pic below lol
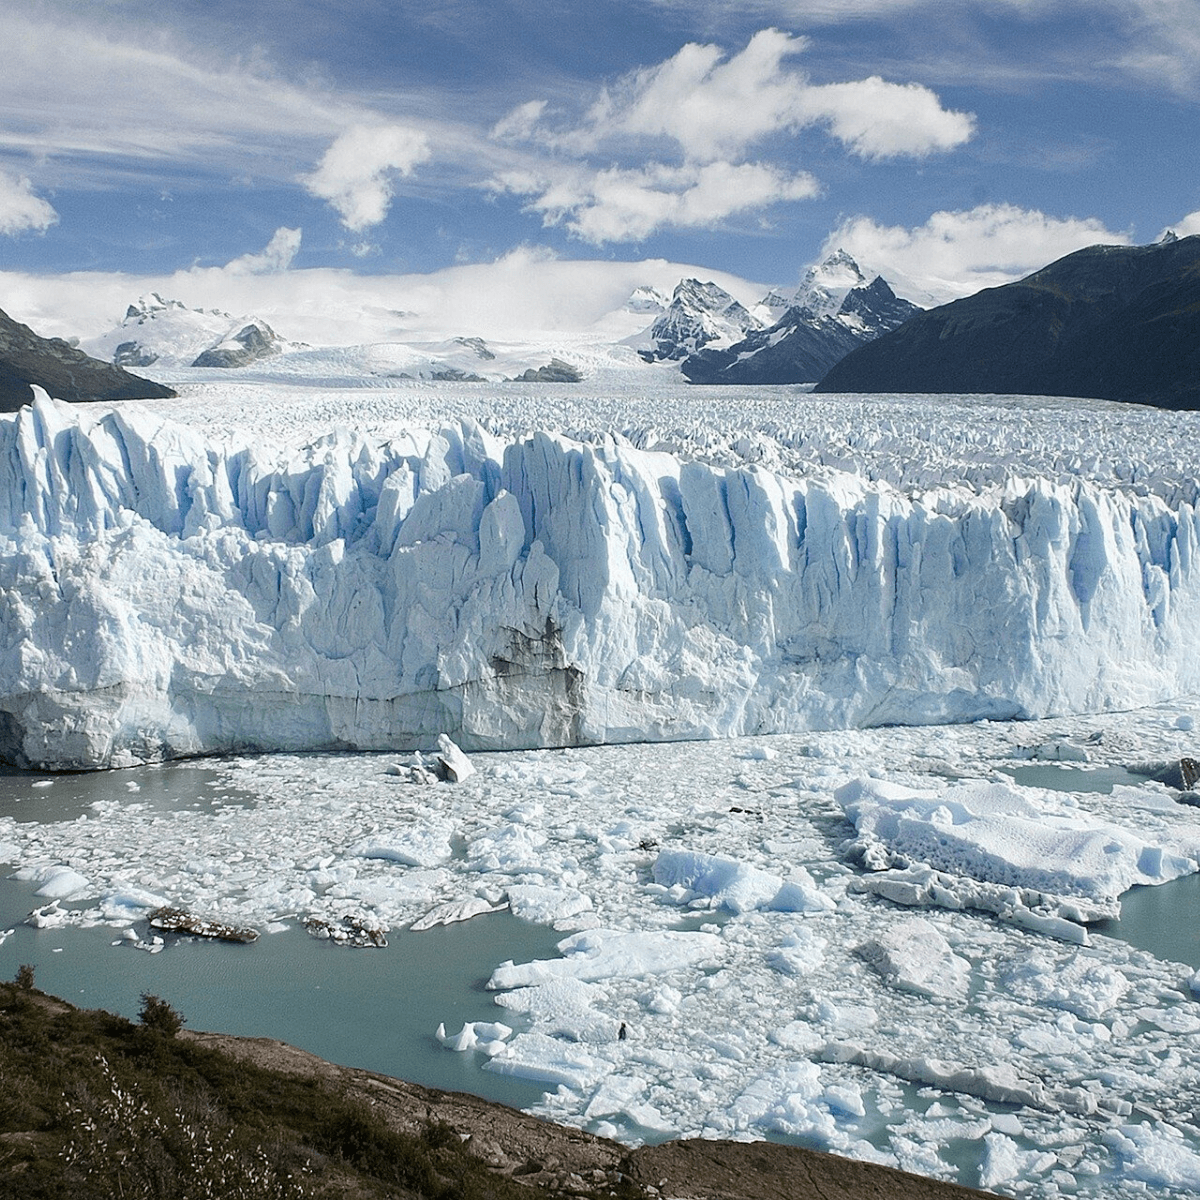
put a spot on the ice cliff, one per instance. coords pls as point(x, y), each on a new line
point(162, 594)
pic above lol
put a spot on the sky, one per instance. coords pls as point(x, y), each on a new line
point(952, 144)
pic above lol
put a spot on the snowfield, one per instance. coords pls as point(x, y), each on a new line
point(860, 931)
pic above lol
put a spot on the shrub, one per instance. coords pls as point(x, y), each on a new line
point(157, 1015)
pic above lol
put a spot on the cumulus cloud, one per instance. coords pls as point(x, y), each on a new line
point(715, 107)
point(702, 111)
point(278, 255)
point(20, 209)
point(954, 254)
point(355, 174)
point(614, 204)
point(877, 119)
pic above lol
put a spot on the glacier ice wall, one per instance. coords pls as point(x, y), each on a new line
point(165, 595)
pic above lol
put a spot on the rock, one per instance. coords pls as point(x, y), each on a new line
point(251, 342)
point(178, 920)
point(27, 360)
point(1181, 775)
point(555, 371)
point(348, 931)
point(1107, 322)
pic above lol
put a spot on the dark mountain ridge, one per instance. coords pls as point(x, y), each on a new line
point(1107, 322)
point(65, 372)
point(803, 345)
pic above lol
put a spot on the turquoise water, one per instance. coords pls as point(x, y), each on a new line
point(1165, 920)
point(377, 1009)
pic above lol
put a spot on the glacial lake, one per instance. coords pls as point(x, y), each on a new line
point(377, 1009)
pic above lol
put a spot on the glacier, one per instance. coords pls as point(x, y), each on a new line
point(169, 590)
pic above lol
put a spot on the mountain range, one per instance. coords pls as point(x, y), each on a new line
point(1107, 322)
point(62, 369)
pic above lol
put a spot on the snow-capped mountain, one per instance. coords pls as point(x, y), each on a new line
point(647, 299)
point(700, 314)
point(167, 334)
point(834, 311)
point(826, 285)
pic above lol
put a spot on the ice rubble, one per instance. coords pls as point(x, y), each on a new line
point(165, 594)
point(941, 1041)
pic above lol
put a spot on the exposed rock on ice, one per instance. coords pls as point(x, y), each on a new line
point(177, 920)
point(162, 595)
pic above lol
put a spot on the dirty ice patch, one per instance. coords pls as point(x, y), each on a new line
point(727, 883)
point(1004, 834)
point(609, 954)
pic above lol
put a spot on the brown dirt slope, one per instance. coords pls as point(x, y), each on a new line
point(565, 1161)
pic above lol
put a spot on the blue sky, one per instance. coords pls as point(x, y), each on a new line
point(958, 143)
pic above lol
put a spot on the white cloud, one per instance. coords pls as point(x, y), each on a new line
point(613, 205)
point(20, 209)
point(714, 108)
point(877, 119)
point(1185, 226)
point(519, 295)
point(702, 111)
point(276, 256)
point(354, 175)
point(956, 253)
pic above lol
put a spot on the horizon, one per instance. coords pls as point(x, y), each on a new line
point(956, 147)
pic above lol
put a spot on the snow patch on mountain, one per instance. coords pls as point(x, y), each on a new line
point(166, 334)
point(700, 314)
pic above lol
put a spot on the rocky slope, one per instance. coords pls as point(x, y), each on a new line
point(65, 372)
point(1107, 322)
point(561, 1160)
point(834, 311)
point(699, 314)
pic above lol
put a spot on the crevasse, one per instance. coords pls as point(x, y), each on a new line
point(163, 595)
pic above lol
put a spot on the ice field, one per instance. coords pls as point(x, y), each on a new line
point(802, 872)
point(269, 568)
